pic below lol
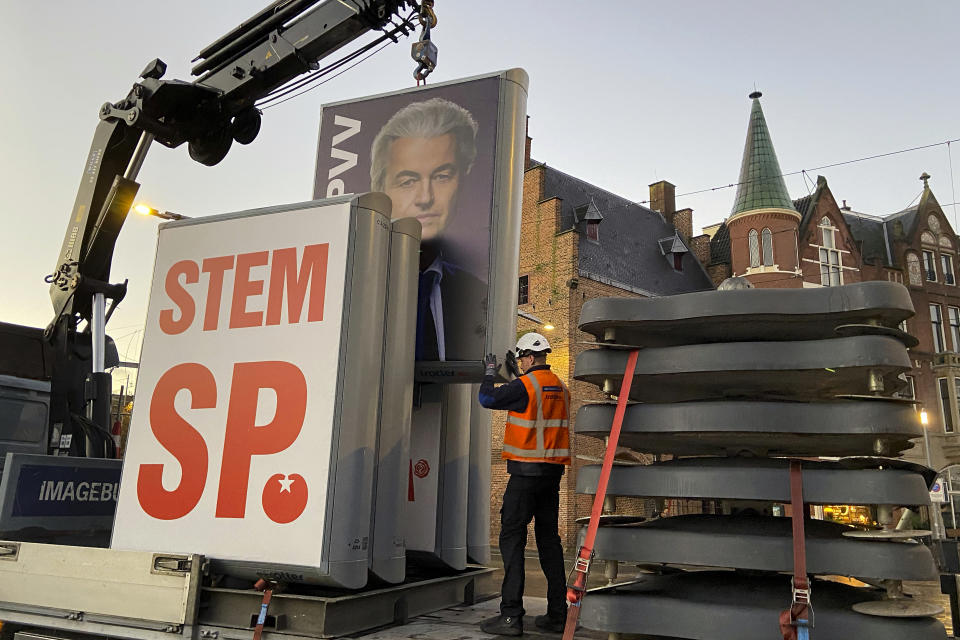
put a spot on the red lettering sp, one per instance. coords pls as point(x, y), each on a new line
point(244, 439)
point(177, 436)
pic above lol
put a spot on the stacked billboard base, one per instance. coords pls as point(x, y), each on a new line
point(729, 386)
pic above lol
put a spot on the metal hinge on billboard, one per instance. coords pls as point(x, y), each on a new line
point(171, 564)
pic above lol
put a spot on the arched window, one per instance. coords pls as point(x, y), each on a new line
point(913, 270)
point(831, 262)
point(754, 248)
point(826, 233)
point(767, 248)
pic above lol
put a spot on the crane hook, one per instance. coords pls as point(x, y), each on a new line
point(423, 51)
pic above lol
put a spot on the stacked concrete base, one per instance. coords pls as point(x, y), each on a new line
point(729, 385)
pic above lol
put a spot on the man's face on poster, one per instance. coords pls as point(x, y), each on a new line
point(422, 180)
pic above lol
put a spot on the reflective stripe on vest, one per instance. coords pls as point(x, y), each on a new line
point(537, 427)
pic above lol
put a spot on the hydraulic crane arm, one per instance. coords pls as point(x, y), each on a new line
point(260, 56)
point(280, 43)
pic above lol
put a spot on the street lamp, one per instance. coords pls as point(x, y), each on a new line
point(924, 420)
point(532, 318)
point(146, 210)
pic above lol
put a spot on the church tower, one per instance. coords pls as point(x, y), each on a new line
point(763, 224)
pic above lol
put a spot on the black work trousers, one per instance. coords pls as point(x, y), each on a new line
point(531, 498)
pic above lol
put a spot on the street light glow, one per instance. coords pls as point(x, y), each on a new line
point(548, 327)
point(923, 417)
point(147, 210)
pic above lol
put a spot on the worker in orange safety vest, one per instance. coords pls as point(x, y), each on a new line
point(536, 446)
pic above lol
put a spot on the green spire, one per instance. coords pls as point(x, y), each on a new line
point(761, 185)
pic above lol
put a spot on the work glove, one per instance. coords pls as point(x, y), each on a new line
point(490, 365)
point(511, 364)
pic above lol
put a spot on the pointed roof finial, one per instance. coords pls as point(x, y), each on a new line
point(925, 176)
point(761, 184)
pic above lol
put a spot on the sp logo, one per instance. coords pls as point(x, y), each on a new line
point(284, 496)
point(421, 469)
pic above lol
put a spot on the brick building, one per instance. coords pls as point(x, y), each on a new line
point(775, 241)
point(577, 242)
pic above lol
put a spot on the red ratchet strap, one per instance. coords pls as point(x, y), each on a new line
point(796, 622)
point(577, 581)
point(267, 588)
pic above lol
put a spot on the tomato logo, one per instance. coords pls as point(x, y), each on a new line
point(422, 468)
point(284, 497)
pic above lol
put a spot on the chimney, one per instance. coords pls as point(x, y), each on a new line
point(683, 222)
point(526, 151)
point(898, 230)
point(700, 247)
point(662, 199)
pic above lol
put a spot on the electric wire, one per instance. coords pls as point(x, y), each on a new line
point(825, 166)
point(406, 25)
point(952, 187)
point(298, 83)
point(296, 95)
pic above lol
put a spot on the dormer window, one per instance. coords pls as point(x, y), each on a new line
point(673, 249)
point(587, 218)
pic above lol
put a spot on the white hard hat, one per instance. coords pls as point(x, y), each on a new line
point(532, 343)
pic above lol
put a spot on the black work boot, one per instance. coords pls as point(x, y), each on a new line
point(503, 626)
point(550, 623)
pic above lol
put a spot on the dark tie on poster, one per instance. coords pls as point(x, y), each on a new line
point(426, 328)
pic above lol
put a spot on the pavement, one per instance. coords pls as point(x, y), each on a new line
point(463, 622)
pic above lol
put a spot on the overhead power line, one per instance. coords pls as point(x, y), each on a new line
point(825, 166)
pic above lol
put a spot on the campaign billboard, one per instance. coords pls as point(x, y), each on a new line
point(263, 330)
point(449, 155)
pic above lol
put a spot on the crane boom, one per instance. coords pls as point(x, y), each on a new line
point(261, 55)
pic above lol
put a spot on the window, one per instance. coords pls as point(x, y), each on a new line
point(945, 412)
point(830, 262)
point(767, 248)
point(936, 324)
point(953, 315)
point(929, 266)
point(826, 233)
point(830, 268)
point(523, 293)
point(593, 230)
point(946, 264)
point(754, 248)
point(910, 391)
point(913, 269)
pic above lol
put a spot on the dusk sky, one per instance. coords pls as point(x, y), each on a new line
point(622, 94)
